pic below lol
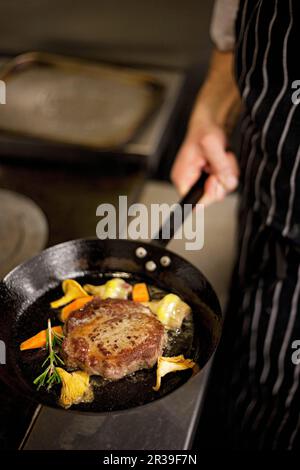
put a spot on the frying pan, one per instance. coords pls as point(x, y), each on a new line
point(26, 292)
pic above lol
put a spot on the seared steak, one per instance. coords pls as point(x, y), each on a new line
point(112, 338)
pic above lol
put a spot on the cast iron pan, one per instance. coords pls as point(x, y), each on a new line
point(26, 292)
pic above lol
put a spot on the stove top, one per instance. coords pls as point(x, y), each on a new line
point(23, 230)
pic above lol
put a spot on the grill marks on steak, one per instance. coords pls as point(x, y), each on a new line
point(113, 338)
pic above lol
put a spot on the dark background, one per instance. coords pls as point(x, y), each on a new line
point(165, 32)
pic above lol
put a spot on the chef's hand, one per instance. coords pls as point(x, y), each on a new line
point(205, 145)
point(204, 149)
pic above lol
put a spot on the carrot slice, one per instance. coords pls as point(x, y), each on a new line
point(140, 292)
point(39, 340)
point(75, 305)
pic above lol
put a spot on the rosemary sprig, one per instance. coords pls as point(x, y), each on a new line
point(50, 375)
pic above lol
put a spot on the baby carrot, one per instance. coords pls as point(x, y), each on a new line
point(75, 305)
point(39, 340)
point(140, 293)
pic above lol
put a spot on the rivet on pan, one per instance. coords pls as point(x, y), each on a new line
point(150, 266)
point(141, 252)
point(165, 261)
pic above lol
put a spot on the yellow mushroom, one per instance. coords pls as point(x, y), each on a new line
point(171, 311)
point(75, 388)
point(95, 290)
point(115, 288)
point(165, 365)
point(72, 291)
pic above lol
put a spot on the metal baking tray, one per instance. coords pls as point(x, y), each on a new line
point(72, 101)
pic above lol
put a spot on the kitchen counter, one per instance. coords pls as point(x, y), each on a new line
point(169, 423)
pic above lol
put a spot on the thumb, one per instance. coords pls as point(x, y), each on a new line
point(222, 164)
point(187, 166)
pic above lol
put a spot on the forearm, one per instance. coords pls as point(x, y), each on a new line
point(218, 100)
point(213, 118)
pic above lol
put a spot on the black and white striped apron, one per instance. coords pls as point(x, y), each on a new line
point(260, 385)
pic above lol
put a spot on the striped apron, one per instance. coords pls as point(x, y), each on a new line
point(259, 398)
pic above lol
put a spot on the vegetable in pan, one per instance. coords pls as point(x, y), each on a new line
point(113, 289)
point(170, 310)
point(40, 339)
point(75, 389)
point(140, 292)
point(76, 386)
point(165, 365)
point(75, 305)
point(72, 291)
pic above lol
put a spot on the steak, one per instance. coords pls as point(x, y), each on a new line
point(112, 338)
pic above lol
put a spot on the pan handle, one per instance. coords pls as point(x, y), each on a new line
point(191, 198)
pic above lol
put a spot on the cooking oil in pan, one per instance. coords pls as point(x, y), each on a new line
point(133, 390)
